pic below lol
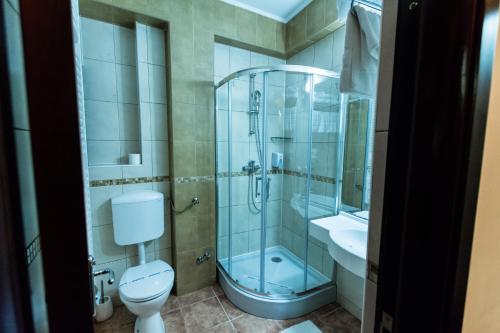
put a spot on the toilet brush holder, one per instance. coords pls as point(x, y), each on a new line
point(103, 310)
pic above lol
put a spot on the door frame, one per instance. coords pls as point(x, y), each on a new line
point(53, 113)
point(442, 74)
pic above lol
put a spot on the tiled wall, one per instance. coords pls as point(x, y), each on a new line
point(111, 92)
point(15, 63)
point(141, 94)
point(313, 23)
point(246, 226)
point(124, 82)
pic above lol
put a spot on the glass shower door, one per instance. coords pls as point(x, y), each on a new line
point(277, 138)
point(242, 217)
point(285, 264)
point(323, 148)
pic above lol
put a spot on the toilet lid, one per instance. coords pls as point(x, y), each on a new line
point(144, 282)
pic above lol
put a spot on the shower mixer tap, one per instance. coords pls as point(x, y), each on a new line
point(251, 167)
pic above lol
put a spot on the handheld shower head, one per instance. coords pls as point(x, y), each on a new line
point(256, 98)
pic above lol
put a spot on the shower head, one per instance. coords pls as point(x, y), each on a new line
point(256, 97)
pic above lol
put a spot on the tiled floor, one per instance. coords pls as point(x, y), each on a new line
point(209, 310)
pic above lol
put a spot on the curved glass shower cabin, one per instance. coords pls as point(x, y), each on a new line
point(278, 158)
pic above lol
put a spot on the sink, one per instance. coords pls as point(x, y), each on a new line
point(347, 239)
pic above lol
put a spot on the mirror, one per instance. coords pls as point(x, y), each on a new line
point(358, 152)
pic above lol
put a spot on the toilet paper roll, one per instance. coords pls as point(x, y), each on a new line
point(134, 159)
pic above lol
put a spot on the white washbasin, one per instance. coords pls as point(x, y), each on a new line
point(347, 239)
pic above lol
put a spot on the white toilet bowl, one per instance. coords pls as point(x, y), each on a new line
point(144, 289)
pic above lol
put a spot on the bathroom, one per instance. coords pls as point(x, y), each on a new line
point(233, 160)
point(249, 166)
point(148, 88)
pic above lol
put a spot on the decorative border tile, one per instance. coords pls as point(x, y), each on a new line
point(244, 173)
point(194, 179)
point(323, 179)
point(127, 181)
point(32, 250)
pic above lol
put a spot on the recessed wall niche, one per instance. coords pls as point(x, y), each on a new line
point(124, 78)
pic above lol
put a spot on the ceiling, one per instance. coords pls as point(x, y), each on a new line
point(279, 10)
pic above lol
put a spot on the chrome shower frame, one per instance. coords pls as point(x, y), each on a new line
point(258, 302)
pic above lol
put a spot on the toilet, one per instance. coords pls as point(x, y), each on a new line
point(144, 289)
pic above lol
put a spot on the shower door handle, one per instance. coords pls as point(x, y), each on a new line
point(257, 179)
point(268, 186)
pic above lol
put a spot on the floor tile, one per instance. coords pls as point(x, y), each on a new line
point(217, 289)
point(222, 328)
point(231, 310)
point(196, 296)
point(339, 321)
point(123, 316)
point(251, 324)
point(324, 310)
point(128, 328)
point(104, 327)
point(209, 310)
point(174, 322)
point(203, 315)
point(172, 304)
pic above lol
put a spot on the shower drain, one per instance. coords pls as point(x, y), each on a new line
point(276, 259)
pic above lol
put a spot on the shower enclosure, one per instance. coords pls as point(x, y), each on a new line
point(279, 156)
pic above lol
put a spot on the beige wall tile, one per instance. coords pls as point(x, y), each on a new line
point(331, 13)
point(265, 36)
point(183, 116)
point(246, 26)
point(184, 156)
point(194, 276)
point(225, 16)
point(315, 17)
point(296, 30)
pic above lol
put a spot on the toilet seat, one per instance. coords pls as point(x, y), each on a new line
point(146, 282)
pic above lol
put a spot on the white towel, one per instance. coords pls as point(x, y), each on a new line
point(361, 52)
point(304, 327)
point(343, 7)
